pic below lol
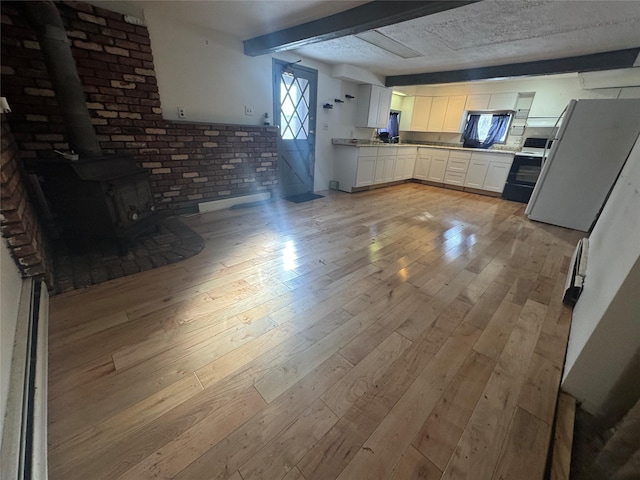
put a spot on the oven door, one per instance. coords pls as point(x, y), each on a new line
point(523, 176)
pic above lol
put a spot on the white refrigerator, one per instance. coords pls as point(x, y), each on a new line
point(592, 145)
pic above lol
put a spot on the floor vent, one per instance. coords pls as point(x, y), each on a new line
point(23, 454)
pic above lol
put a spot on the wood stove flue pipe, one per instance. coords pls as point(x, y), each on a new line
point(44, 18)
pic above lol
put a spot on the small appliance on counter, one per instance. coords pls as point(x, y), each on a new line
point(525, 169)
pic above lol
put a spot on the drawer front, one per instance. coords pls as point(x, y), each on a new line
point(367, 151)
point(459, 154)
point(454, 178)
point(460, 166)
point(493, 157)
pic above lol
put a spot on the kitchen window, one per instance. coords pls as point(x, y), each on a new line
point(485, 129)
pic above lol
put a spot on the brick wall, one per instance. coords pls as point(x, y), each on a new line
point(20, 226)
point(190, 163)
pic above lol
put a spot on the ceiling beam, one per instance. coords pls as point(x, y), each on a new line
point(365, 17)
point(582, 63)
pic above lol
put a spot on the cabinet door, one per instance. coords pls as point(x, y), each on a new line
point(368, 101)
point(453, 117)
point(476, 173)
point(421, 111)
point(503, 101)
point(477, 102)
point(437, 114)
point(366, 171)
point(409, 165)
point(384, 106)
point(496, 177)
point(379, 172)
point(406, 117)
point(389, 168)
point(437, 169)
point(398, 171)
point(421, 170)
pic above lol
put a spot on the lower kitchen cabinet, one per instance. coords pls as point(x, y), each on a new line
point(496, 177)
point(488, 171)
point(476, 173)
point(437, 168)
point(421, 170)
point(363, 166)
point(365, 173)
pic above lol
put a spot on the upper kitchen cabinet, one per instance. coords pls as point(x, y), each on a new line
point(453, 116)
point(438, 112)
point(477, 102)
point(503, 101)
point(491, 101)
point(415, 113)
point(373, 105)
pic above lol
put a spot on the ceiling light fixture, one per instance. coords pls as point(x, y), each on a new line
point(380, 40)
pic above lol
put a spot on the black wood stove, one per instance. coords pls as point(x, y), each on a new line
point(96, 197)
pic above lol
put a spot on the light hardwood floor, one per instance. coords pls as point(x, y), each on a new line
point(406, 332)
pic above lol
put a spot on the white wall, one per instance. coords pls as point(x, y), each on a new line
point(207, 73)
point(10, 289)
point(605, 330)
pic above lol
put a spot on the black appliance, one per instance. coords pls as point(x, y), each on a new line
point(525, 169)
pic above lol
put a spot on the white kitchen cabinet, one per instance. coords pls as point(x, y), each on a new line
point(476, 173)
point(477, 102)
point(457, 164)
point(373, 105)
point(496, 177)
point(415, 113)
point(405, 161)
point(354, 166)
point(492, 167)
point(365, 173)
point(503, 101)
point(437, 114)
point(453, 116)
point(438, 167)
point(385, 164)
point(421, 169)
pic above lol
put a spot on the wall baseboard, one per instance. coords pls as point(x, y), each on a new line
point(230, 202)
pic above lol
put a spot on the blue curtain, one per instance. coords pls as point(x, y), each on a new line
point(393, 127)
point(470, 135)
point(499, 124)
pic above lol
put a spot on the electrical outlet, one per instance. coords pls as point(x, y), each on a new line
point(248, 110)
point(325, 126)
point(182, 112)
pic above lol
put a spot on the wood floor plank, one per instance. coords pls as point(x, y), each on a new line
point(563, 438)
point(334, 338)
point(115, 429)
point(341, 396)
point(282, 453)
point(414, 466)
point(384, 448)
point(245, 442)
point(542, 380)
point(525, 448)
point(177, 454)
point(497, 332)
point(478, 450)
point(438, 437)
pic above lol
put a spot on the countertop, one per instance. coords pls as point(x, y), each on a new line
point(353, 142)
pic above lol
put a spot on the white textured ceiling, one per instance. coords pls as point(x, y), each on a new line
point(491, 32)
